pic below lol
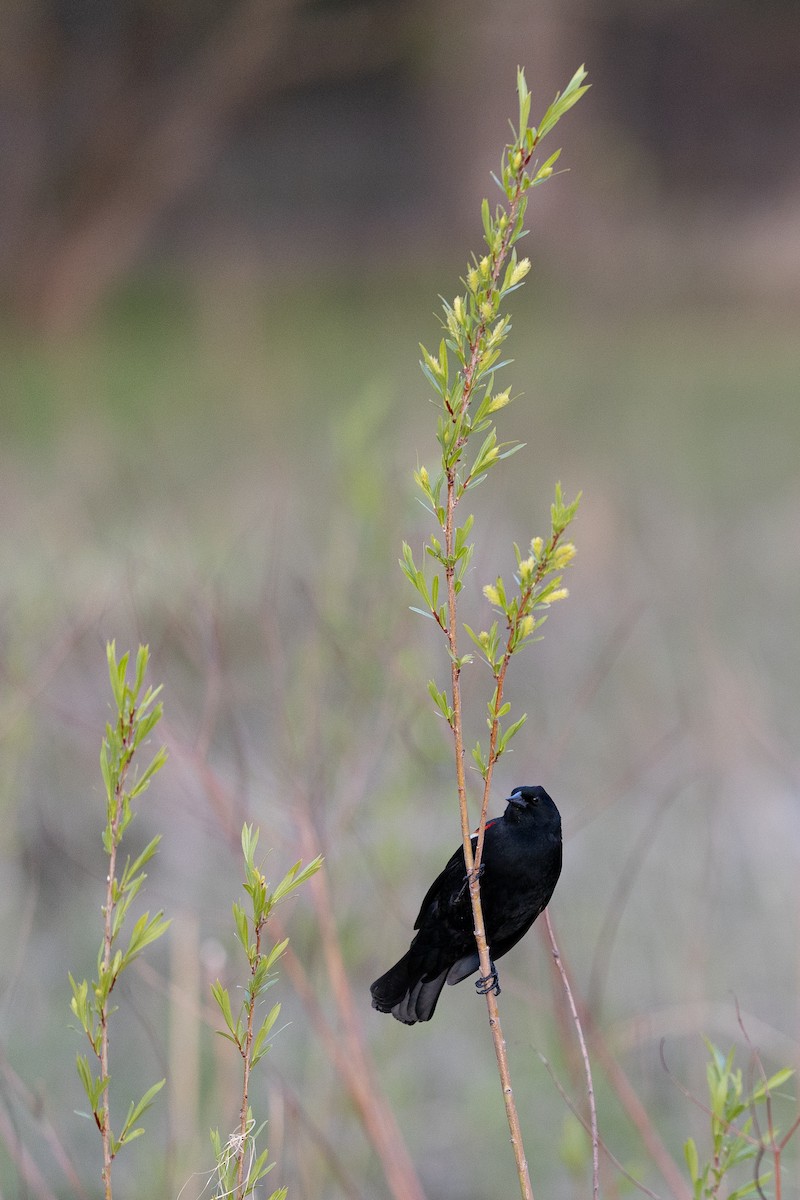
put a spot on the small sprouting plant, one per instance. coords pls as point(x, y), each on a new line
point(736, 1136)
point(137, 714)
point(240, 1165)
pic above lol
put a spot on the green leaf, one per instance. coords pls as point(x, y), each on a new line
point(135, 867)
point(141, 666)
point(294, 877)
point(116, 674)
point(772, 1084)
point(440, 700)
point(159, 759)
point(748, 1189)
point(249, 843)
point(105, 770)
point(487, 222)
point(259, 1048)
point(137, 1111)
point(692, 1161)
point(242, 928)
point(524, 102)
point(479, 759)
point(509, 733)
point(146, 930)
point(564, 102)
point(84, 1074)
point(550, 162)
point(513, 447)
point(223, 1000)
point(275, 953)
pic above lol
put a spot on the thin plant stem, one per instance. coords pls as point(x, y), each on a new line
point(472, 862)
point(246, 1053)
point(639, 1117)
point(573, 1108)
point(108, 932)
point(456, 405)
point(587, 1066)
point(473, 873)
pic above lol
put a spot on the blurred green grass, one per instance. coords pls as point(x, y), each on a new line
point(225, 473)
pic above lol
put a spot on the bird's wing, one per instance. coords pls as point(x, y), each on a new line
point(445, 891)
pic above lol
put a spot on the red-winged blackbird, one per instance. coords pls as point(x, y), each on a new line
point(520, 868)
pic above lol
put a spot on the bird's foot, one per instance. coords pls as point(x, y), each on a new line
point(488, 983)
point(468, 878)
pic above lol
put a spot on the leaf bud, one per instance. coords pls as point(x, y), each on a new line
point(492, 595)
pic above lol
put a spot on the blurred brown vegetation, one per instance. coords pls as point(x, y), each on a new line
point(224, 230)
point(138, 132)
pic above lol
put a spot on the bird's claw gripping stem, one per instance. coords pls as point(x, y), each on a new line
point(488, 983)
point(469, 877)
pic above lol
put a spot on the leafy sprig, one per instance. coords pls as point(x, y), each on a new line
point(462, 372)
point(734, 1140)
point(240, 1165)
point(137, 714)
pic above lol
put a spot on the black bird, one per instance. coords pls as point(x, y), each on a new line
point(519, 870)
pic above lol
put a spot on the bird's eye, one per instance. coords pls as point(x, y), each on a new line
point(534, 799)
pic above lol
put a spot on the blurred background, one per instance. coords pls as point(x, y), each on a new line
point(225, 228)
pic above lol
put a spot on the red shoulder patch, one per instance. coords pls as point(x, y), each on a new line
point(493, 821)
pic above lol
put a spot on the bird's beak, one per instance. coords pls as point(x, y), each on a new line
point(517, 801)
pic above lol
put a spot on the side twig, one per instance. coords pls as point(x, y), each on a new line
point(587, 1066)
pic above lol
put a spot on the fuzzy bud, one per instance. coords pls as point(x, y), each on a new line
point(492, 595)
point(499, 401)
point(526, 569)
point(520, 271)
point(527, 626)
point(537, 546)
point(558, 594)
point(563, 556)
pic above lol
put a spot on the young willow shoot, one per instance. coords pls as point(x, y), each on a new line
point(462, 373)
point(239, 1165)
point(737, 1117)
point(137, 714)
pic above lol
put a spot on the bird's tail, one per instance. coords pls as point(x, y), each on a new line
point(407, 992)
